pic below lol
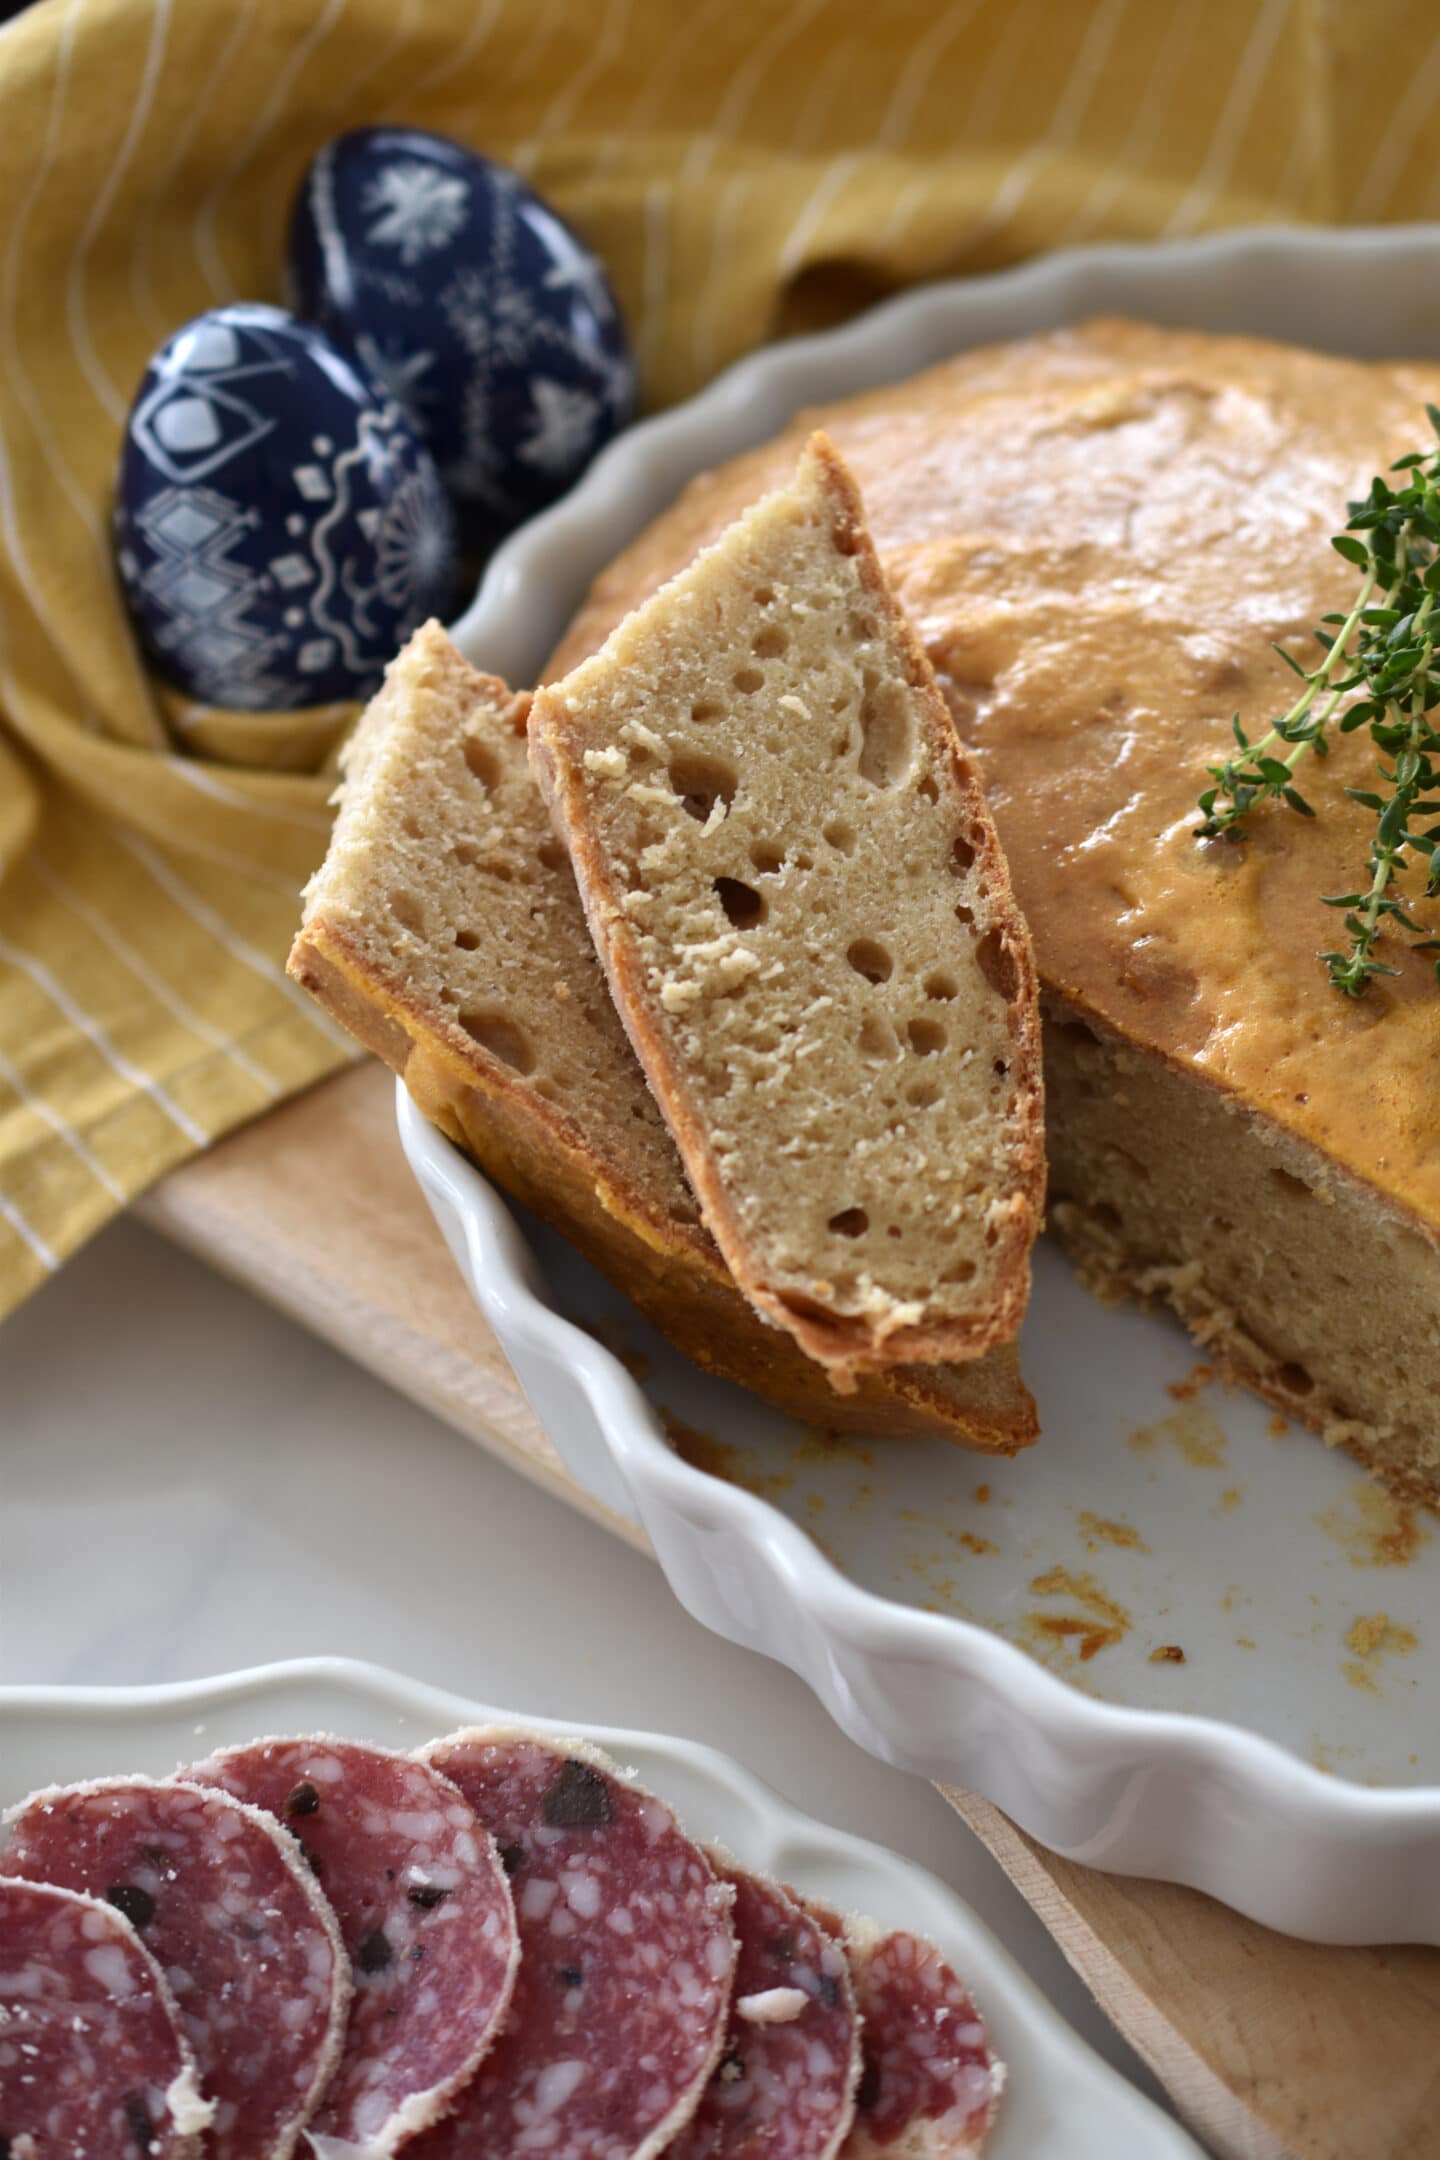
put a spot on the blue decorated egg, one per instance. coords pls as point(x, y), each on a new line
point(477, 308)
point(279, 528)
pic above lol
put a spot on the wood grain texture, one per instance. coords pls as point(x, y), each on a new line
point(315, 1209)
point(1271, 2049)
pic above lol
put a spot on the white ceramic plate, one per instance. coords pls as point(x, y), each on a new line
point(1279, 1767)
point(1061, 2103)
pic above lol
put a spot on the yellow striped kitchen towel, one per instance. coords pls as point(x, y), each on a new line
point(745, 167)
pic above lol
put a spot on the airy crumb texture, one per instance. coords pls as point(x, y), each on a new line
point(1309, 1293)
point(444, 930)
point(445, 881)
point(796, 889)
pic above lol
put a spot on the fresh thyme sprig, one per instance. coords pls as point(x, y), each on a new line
point(1384, 657)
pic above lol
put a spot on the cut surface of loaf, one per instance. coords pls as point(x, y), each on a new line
point(1112, 536)
point(794, 884)
point(444, 930)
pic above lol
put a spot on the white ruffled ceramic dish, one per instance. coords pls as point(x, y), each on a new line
point(1007, 1643)
point(1061, 2102)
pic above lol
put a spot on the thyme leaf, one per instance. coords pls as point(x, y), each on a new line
point(1382, 657)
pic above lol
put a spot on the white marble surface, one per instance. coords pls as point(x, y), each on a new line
point(189, 1483)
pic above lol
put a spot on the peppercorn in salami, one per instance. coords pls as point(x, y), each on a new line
point(233, 1917)
point(627, 1954)
point(424, 1909)
point(92, 2060)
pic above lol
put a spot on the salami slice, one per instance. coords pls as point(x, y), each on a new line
point(626, 1960)
point(92, 2060)
point(233, 1916)
point(784, 2088)
point(424, 1909)
point(929, 2085)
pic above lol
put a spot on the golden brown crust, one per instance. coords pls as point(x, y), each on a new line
point(1098, 533)
point(847, 1342)
point(674, 1277)
point(412, 793)
point(1003, 914)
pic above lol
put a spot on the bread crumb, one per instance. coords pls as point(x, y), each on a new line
point(1167, 1653)
point(1373, 1632)
point(1366, 1635)
point(1104, 1621)
point(1098, 1530)
point(679, 996)
point(610, 763)
point(643, 737)
point(1186, 1390)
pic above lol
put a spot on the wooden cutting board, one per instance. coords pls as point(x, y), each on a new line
point(1270, 2049)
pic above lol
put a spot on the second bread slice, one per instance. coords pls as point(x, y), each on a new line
point(445, 932)
point(795, 887)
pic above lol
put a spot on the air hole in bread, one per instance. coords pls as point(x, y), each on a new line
point(767, 858)
point(886, 732)
point(771, 643)
point(997, 965)
point(466, 855)
point(1002, 1070)
point(702, 712)
point(840, 745)
point(763, 595)
point(870, 960)
point(927, 790)
point(747, 680)
point(743, 906)
point(482, 761)
point(850, 1222)
point(408, 912)
point(926, 1037)
point(840, 836)
point(923, 1094)
point(939, 984)
point(498, 1034)
point(876, 1039)
point(1294, 1379)
point(959, 1271)
point(1289, 1183)
point(411, 827)
point(701, 782)
point(863, 627)
point(551, 854)
point(467, 940)
point(963, 914)
point(962, 855)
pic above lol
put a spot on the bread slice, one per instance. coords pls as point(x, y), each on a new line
point(1104, 531)
point(445, 932)
point(794, 884)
